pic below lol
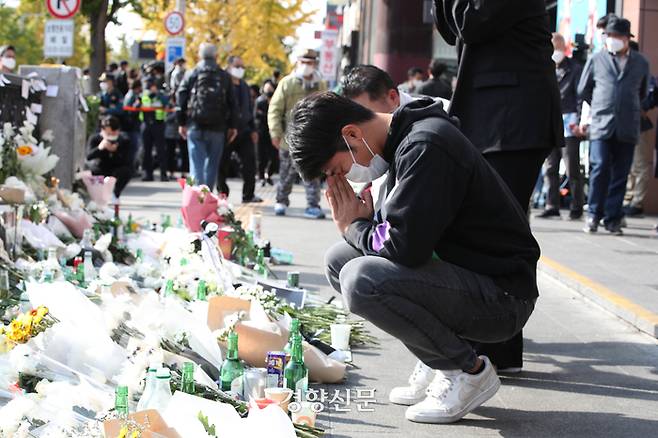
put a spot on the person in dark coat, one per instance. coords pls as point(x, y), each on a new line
point(436, 85)
point(268, 155)
point(507, 100)
point(108, 153)
point(567, 71)
point(614, 82)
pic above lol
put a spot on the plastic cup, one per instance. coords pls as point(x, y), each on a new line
point(281, 396)
point(340, 336)
point(303, 413)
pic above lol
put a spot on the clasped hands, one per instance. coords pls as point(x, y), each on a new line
point(346, 207)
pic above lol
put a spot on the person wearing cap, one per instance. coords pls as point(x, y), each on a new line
point(122, 77)
point(111, 99)
point(152, 116)
point(176, 75)
point(303, 81)
point(7, 59)
point(614, 83)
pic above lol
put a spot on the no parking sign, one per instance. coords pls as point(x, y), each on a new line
point(63, 9)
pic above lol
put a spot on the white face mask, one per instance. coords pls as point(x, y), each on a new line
point(109, 137)
point(305, 70)
point(363, 174)
point(614, 45)
point(558, 56)
point(9, 63)
point(103, 86)
point(237, 72)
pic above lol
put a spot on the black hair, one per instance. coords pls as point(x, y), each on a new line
point(367, 79)
point(634, 45)
point(602, 22)
point(413, 71)
point(123, 62)
point(136, 85)
point(111, 122)
point(276, 73)
point(4, 49)
point(437, 68)
point(113, 66)
point(314, 133)
point(255, 88)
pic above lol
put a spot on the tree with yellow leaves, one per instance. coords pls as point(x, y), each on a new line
point(252, 29)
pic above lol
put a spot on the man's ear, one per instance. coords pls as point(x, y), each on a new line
point(394, 96)
point(352, 131)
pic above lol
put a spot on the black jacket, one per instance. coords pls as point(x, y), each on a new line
point(443, 197)
point(568, 75)
point(507, 96)
point(435, 87)
point(260, 114)
point(104, 161)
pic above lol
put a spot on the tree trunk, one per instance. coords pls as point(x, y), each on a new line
point(98, 54)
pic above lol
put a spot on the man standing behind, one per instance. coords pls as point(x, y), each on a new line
point(207, 92)
point(244, 143)
point(153, 126)
point(436, 85)
point(300, 83)
point(267, 153)
point(614, 83)
point(507, 99)
point(111, 99)
point(568, 74)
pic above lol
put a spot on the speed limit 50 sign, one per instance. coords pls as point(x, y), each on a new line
point(174, 23)
point(63, 9)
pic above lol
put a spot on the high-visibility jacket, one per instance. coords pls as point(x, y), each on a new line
point(157, 104)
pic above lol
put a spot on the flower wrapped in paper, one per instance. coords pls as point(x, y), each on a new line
point(199, 203)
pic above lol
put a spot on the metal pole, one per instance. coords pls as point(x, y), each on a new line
point(180, 6)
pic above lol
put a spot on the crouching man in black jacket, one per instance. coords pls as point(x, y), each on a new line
point(448, 259)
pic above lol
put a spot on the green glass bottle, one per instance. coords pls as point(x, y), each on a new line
point(187, 380)
point(139, 255)
point(121, 401)
point(201, 291)
point(166, 221)
point(260, 267)
point(294, 331)
point(128, 228)
point(296, 374)
point(232, 369)
point(169, 288)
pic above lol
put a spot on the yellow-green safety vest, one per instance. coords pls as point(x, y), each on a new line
point(157, 103)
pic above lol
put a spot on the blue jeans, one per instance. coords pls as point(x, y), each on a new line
point(205, 149)
point(610, 162)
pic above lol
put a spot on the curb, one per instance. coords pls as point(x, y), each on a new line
point(636, 315)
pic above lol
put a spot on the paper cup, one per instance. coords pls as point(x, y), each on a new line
point(280, 395)
point(304, 413)
point(340, 336)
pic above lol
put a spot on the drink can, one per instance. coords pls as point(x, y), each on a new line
point(293, 279)
point(276, 363)
point(255, 382)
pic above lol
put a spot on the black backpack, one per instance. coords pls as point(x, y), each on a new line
point(209, 102)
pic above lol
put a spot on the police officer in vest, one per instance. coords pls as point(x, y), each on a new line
point(153, 128)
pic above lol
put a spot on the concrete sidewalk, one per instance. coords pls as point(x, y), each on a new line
point(586, 372)
point(618, 273)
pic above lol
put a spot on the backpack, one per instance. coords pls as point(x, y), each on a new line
point(208, 107)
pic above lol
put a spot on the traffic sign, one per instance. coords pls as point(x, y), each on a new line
point(175, 49)
point(63, 8)
point(174, 22)
point(58, 39)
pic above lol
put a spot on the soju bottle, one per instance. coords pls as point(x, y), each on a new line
point(116, 225)
point(79, 271)
point(166, 221)
point(260, 267)
point(294, 331)
point(296, 374)
point(128, 228)
point(149, 387)
point(187, 379)
point(169, 288)
point(232, 369)
point(139, 255)
point(121, 401)
point(201, 291)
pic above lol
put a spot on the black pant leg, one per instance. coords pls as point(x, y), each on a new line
point(147, 142)
point(161, 147)
point(123, 175)
point(247, 152)
point(185, 156)
point(519, 170)
point(225, 168)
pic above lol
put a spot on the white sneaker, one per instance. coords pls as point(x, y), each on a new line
point(454, 394)
point(419, 380)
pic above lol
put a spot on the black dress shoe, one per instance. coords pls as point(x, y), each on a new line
point(549, 214)
point(164, 178)
point(575, 215)
point(253, 199)
point(632, 211)
point(147, 178)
